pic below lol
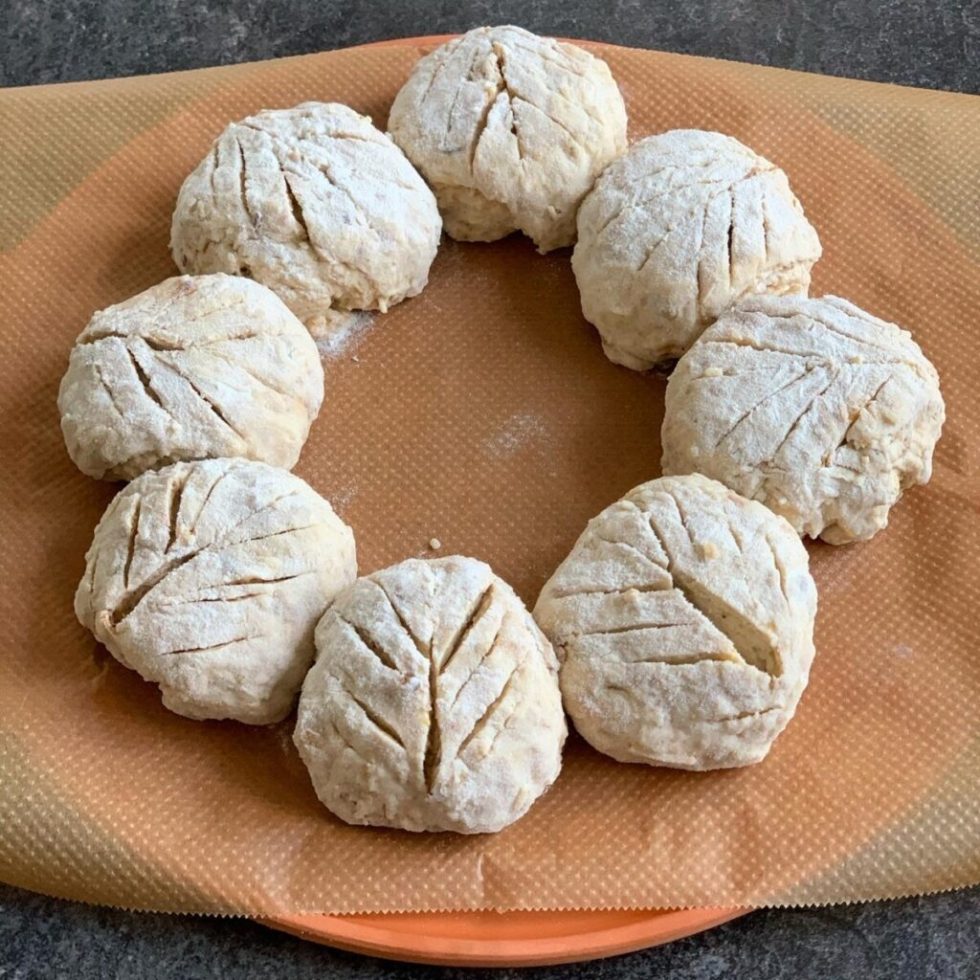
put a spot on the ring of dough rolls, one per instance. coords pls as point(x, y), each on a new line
point(683, 621)
point(817, 409)
point(196, 367)
point(510, 129)
point(313, 202)
point(208, 579)
point(433, 703)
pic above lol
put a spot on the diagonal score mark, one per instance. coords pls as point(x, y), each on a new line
point(779, 567)
point(686, 660)
point(481, 723)
point(243, 181)
point(731, 237)
point(505, 721)
point(811, 357)
point(134, 530)
point(108, 390)
point(483, 659)
point(278, 580)
point(212, 405)
point(192, 529)
point(144, 379)
point(196, 600)
point(266, 383)
point(810, 405)
point(845, 438)
point(590, 590)
point(433, 735)
point(423, 651)
point(370, 644)
point(374, 718)
point(285, 530)
point(176, 492)
point(631, 628)
point(500, 55)
point(632, 547)
point(752, 646)
point(132, 599)
point(295, 207)
point(473, 618)
point(801, 376)
point(210, 647)
point(743, 715)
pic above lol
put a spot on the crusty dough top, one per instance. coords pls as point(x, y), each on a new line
point(524, 121)
point(674, 231)
point(434, 701)
point(313, 202)
point(818, 409)
point(195, 367)
point(208, 578)
point(683, 618)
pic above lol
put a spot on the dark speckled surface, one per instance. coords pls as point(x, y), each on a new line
point(934, 43)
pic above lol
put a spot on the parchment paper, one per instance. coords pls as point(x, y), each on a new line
point(484, 414)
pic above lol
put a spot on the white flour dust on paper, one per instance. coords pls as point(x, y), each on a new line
point(341, 499)
point(338, 331)
point(516, 433)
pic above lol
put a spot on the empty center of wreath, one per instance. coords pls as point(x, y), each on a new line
point(482, 413)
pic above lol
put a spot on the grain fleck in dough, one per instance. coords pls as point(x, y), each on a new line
point(812, 406)
point(683, 620)
point(316, 204)
point(510, 129)
point(194, 368)
point(208, 579)
point(681, 226)
point(434, 701)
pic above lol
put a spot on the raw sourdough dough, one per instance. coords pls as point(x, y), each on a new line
point(683, 620)
point(674, 231)
point(433, 703)
point(193, 368)
point(812, 406)
point(208, 579)
point(313, 202)
point(510, 129)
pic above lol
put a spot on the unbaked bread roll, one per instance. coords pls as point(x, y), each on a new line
point(683, 620)
point(193, 368)
point(818, 409)
point(677, 229)
point(433, 703)
point(316, 204)
point(208, 579)
point(510, 129)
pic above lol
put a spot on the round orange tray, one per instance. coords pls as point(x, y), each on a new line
point(502, 938)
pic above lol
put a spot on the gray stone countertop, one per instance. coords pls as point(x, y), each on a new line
point(932, 43)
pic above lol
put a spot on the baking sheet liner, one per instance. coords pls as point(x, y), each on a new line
point(484, 414)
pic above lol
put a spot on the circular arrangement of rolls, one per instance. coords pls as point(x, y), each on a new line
point(678, 631)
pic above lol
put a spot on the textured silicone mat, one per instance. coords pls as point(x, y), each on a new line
point(483, 413)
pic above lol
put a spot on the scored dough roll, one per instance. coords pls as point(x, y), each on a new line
point(433, 703)
point(315, 203)
point(196, 367)
point(510, 129)
point(821, 411)
point(683, 621)
point(208, 579)
point(674, 231)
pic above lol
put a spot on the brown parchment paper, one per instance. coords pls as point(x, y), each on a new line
point(483, 413)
